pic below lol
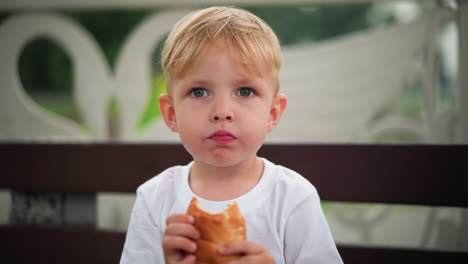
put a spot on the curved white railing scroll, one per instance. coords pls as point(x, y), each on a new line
point(20, 117)
point(344, 88)
point(133, 76)
point(23, 119)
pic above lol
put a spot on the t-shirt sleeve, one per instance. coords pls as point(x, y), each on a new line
point(143, 243)
point(307, 235)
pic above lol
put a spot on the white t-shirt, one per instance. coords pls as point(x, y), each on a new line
point(282, 213)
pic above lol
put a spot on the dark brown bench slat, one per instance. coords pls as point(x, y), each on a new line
point(85, 167)
point(393, 255)
point(71, 245)
point(404, 174)
point(433, 175)
point(50, 245)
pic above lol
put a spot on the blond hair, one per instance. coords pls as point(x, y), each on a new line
point(249, 35)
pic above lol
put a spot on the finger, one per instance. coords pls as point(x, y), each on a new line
point(251, 253)
point(243, 247)
point(250, 259)
point(180, 218)
point(181, 258)
point(182, 229)
point(173, 256)
point(173, 244)
point(189, 259)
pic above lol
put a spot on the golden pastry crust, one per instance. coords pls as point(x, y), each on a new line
point(216, 230)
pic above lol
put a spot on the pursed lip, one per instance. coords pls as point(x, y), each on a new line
point(222, 137)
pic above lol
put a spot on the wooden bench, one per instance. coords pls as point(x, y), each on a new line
point(432, 175)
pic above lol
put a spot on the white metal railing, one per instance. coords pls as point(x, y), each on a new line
point(95, 84)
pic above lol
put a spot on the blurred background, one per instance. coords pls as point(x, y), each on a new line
point(376, 72)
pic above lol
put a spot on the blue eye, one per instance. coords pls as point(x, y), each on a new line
point(245, 92)
point(198, 92)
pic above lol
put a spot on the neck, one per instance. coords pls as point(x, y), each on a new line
point(225, 183)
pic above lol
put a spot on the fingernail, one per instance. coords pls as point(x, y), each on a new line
point(194, 247)
point(191, 258)
point(191, 219)
point(222, 250)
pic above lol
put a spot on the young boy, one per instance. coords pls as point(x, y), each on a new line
point(222, 70)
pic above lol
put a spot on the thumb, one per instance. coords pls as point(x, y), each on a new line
point(242, 247)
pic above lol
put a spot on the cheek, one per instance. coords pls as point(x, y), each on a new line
point(185, 113)
point(259, 113)
point(189, 124)
point(257, 122)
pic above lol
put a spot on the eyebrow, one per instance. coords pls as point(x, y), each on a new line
point(197, 81)
point(205, 82)
point(245, 82)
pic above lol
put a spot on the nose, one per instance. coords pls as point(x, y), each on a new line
point(221, 116)
point(222, 112)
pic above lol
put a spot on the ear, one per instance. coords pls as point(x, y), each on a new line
point(166, 106)
point(280, 101)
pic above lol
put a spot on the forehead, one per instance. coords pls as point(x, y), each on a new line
point(221, 55)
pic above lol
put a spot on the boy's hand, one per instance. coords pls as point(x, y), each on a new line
point(178, 241)
point(251, 253)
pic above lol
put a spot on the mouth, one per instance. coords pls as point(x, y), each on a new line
point(222, 137)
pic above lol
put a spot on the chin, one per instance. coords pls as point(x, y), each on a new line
point(222, 162)
point(228, 161)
